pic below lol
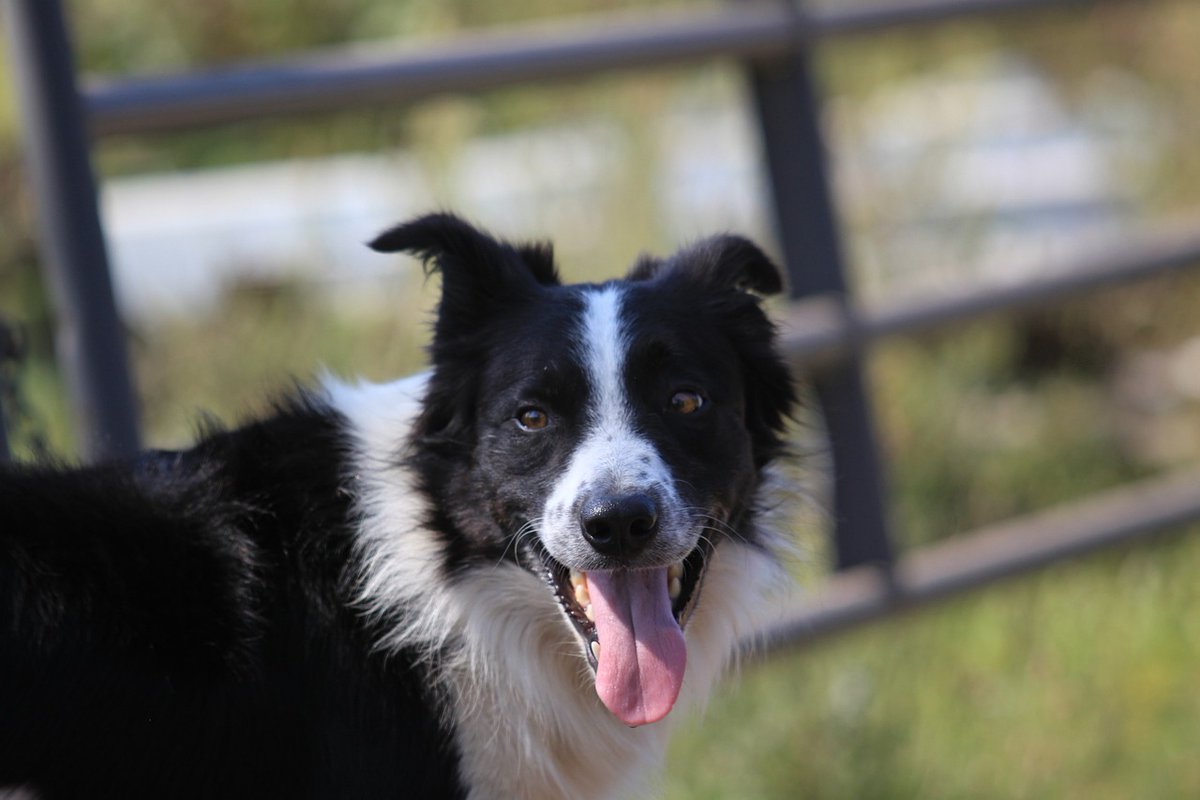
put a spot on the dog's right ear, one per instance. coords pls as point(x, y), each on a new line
point(477, 269)
point(480, 275)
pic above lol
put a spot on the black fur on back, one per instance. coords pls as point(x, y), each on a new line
point(179, 626)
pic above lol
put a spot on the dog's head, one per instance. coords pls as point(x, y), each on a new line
point(607, 437)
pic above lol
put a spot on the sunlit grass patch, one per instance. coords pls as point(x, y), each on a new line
point(1076, 683)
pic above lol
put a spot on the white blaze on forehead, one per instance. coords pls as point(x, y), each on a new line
point(604, 358)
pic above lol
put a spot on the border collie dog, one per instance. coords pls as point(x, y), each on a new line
point(484, 581)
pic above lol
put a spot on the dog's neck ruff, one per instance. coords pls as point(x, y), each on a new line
point(519, 695)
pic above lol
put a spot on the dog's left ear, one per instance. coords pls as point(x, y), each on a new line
point(724, 277)
point(721, 263)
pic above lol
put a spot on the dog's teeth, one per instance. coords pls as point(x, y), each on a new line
point(675, 570)
point(675, 588)
point(577, 578)
point(581, 595)
point(589, 613)
point(596, 650)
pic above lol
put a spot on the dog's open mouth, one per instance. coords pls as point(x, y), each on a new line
point(631, 624)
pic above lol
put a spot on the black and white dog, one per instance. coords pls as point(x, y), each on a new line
point(483, 581)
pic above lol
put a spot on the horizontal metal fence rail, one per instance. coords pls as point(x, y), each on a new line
point(820, 331)
point(390, 75)
point(1133, 512)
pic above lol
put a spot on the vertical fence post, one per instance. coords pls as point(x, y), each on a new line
point(788, 110)
point(4, 450)
point(9, 353)
point(89, 336)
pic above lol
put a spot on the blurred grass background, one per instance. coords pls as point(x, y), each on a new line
point(1075, 682)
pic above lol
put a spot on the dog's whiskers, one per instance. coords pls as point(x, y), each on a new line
point(714, 523)
point(530, 528)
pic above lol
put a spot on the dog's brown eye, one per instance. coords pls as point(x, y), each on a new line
point(533, 419)
point(686, 402)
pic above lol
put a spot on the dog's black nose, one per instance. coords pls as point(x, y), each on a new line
point(619, 525)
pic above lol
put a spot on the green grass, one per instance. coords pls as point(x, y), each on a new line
point(231, 364)
point(972, 440)
point(1078, 682)
point(264, 341)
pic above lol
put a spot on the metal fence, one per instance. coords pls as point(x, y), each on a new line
point(827, 332)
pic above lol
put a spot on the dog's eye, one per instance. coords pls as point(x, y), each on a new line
point(532, 419)
point(686, 402)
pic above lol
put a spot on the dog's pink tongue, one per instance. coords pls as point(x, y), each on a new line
point(642, 652)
